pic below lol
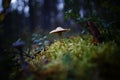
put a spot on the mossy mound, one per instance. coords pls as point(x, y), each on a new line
point(78, 58)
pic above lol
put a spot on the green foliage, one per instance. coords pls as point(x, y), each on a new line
point(105, 13)
point(78, 58)
point(37, 43)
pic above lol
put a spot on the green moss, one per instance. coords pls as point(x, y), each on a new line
point(77, 58)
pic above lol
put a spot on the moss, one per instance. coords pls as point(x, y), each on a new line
point(78, 58)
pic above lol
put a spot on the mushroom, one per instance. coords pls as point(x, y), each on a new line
point(59, 31)
point(19, 44)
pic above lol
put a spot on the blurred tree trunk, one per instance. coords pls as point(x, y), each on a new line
point(43, 14)
point(6, 54)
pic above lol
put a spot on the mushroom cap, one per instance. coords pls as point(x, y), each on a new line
point(18, 44)
point(59, 29)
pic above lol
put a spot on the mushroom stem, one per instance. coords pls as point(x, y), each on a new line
point(60, 36)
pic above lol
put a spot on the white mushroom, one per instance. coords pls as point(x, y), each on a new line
point(59, 31)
